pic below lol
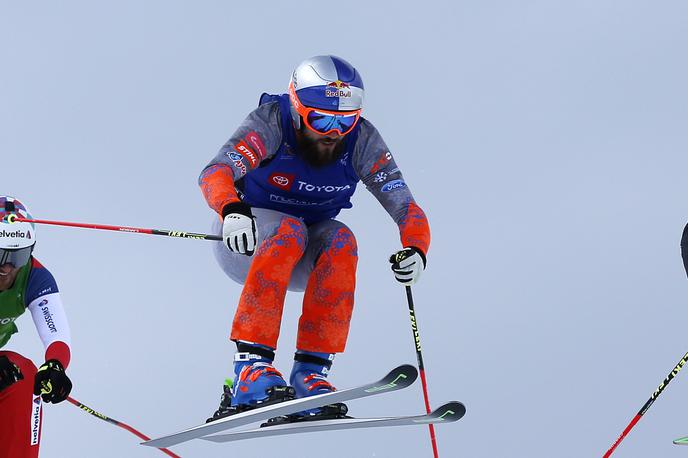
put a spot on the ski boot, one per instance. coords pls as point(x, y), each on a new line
point(256, 384)
point(309, 378)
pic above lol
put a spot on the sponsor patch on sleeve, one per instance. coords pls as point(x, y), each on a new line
point(380, 177)
point(236, 159)
point(393, 185)
point(253, 139)
point(381, 162)
point(243, 149)
point(36, 419)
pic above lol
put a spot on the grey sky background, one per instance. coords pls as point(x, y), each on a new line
point(546, 140)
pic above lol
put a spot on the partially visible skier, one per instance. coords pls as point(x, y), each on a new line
point(26, 284)
point(276, 186)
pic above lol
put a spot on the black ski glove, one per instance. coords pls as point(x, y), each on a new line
point(51, 382)
point(9, 373)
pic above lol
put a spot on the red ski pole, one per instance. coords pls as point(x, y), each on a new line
point(421, 368)
point(137, 230)
point(117, 423)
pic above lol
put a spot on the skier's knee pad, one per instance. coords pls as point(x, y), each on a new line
point(339, 240)
point(290, 235)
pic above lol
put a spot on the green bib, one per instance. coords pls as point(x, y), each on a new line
point(12, 304)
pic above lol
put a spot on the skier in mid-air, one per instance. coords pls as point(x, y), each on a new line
point(277, 185)
point(26, 284)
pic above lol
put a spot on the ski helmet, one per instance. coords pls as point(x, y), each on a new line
point(17, 238)
point(328, 83)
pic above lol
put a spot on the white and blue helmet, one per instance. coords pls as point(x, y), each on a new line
point(327, 82)
point(17, 238)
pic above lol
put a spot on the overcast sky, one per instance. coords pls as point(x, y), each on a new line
point(546, 140)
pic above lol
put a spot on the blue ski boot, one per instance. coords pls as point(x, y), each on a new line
point(257, 383)
point(309, 378)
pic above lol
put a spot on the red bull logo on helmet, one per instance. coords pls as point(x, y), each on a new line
point(338, 84)
point(337, 89)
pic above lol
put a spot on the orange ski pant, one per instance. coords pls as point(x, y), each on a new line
point(319, 259)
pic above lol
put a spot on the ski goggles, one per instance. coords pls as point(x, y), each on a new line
point(324, 122)
point(18, 257)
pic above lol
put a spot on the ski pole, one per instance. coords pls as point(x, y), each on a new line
point(116, 423)
point(647, 405)
point(672, 374)
point(421, 367)
point(186, 235)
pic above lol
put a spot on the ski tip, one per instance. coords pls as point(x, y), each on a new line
point(451, 411)
point(406, 373)
point(154, 443)
point(681, 441)
point(163, 441)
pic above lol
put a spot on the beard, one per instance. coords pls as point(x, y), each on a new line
point(316, 153)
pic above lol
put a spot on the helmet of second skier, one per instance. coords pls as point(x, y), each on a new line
point(326, 94)
point(17, 238)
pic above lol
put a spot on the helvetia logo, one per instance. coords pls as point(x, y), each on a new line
point(15, 234)
point(35, 419)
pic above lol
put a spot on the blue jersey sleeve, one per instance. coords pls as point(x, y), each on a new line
point(41, 282)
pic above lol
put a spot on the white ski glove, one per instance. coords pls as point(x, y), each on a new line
point(239, 228)
point(407, 265)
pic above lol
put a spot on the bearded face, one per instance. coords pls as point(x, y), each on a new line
point(319, 150)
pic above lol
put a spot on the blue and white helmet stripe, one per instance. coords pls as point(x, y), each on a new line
point(328, 82)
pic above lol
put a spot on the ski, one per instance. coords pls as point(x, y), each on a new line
point(401, 377)
point(681, 441)
point(447, 413)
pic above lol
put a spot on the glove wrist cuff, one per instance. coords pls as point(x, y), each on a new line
point(422, 255)
point(237, 207)
point(54, 364)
